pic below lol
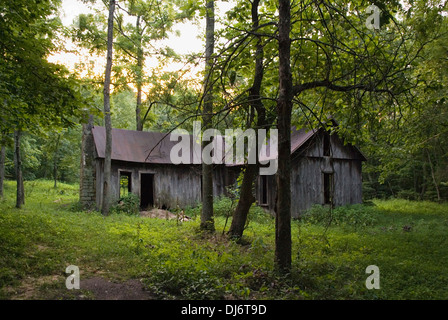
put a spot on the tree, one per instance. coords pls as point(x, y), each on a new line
point(153, 21)
point(106, 203)
point(20, 197)
point(407, 149)
point(139, 24)
point(284, 109)
point(207, 222)
point(338, 67)
point(254, 100)
point(2, 168)
point(33, 92)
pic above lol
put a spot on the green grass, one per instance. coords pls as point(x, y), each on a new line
point(406, 240)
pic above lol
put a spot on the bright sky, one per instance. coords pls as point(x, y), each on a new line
point(187, 42)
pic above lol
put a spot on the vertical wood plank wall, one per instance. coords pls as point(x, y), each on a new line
point(307, 184)
point(180, 185)
point(174, 185)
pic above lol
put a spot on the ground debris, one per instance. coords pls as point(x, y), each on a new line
point(164, 214)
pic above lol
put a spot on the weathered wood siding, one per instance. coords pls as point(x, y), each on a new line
point(306, 184)
point(347, 182)
point(174, 185)
point(307, 176)
point(315, 148)
point(180, 185)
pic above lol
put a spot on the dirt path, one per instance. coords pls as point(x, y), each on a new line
point(95, 288)
point(102, 289)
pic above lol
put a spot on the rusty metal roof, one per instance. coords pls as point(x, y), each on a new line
point(155, 147)
point(135, 146)
point(298, 138)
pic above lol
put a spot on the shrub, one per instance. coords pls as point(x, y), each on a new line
point(351, 215)
point(257, 213)
point(368, 191)
point(223, 207)
point(317, 214)
point(408, 195)
point(129, 205)
point(76, 206)
point(185, 283)
point(430, 196)
point(356, 215)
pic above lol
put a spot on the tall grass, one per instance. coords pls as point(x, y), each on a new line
point(406, 240)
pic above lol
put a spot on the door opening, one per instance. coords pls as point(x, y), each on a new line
point(146, 190)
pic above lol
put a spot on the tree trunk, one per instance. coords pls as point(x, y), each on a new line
point(20, 198)
point(55, 162)
point(284, 108)
point(107, 119)
point(87, 176)
point(207, 223)
point(436, 185)
point(2, 169)
point(138, 108)
point(246, 197)
point(139, 77)
point(424, 178)
point(55, 174)
point(245, 202)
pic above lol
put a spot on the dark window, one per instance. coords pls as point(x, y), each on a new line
point(125, 183)
point(328, 188)
point(327, 146)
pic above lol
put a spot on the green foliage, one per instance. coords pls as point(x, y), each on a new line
point(356, 215)
point(176, 262)
point(91, 29)
point(129, 204)
point(401, 206)
point(408, 195)
point(46, 151)
point(407, 148)
point(139, 25)
point(224, 207)
point(123, 110)
point(33, 91)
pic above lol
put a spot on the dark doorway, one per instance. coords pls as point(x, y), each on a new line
point(146, 190)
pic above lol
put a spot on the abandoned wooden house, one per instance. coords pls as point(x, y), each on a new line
point(154, 178)
point(324, 171)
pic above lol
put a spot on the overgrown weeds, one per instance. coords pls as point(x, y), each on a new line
point(175, 262)
point(129, 204)
point(356, 215)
